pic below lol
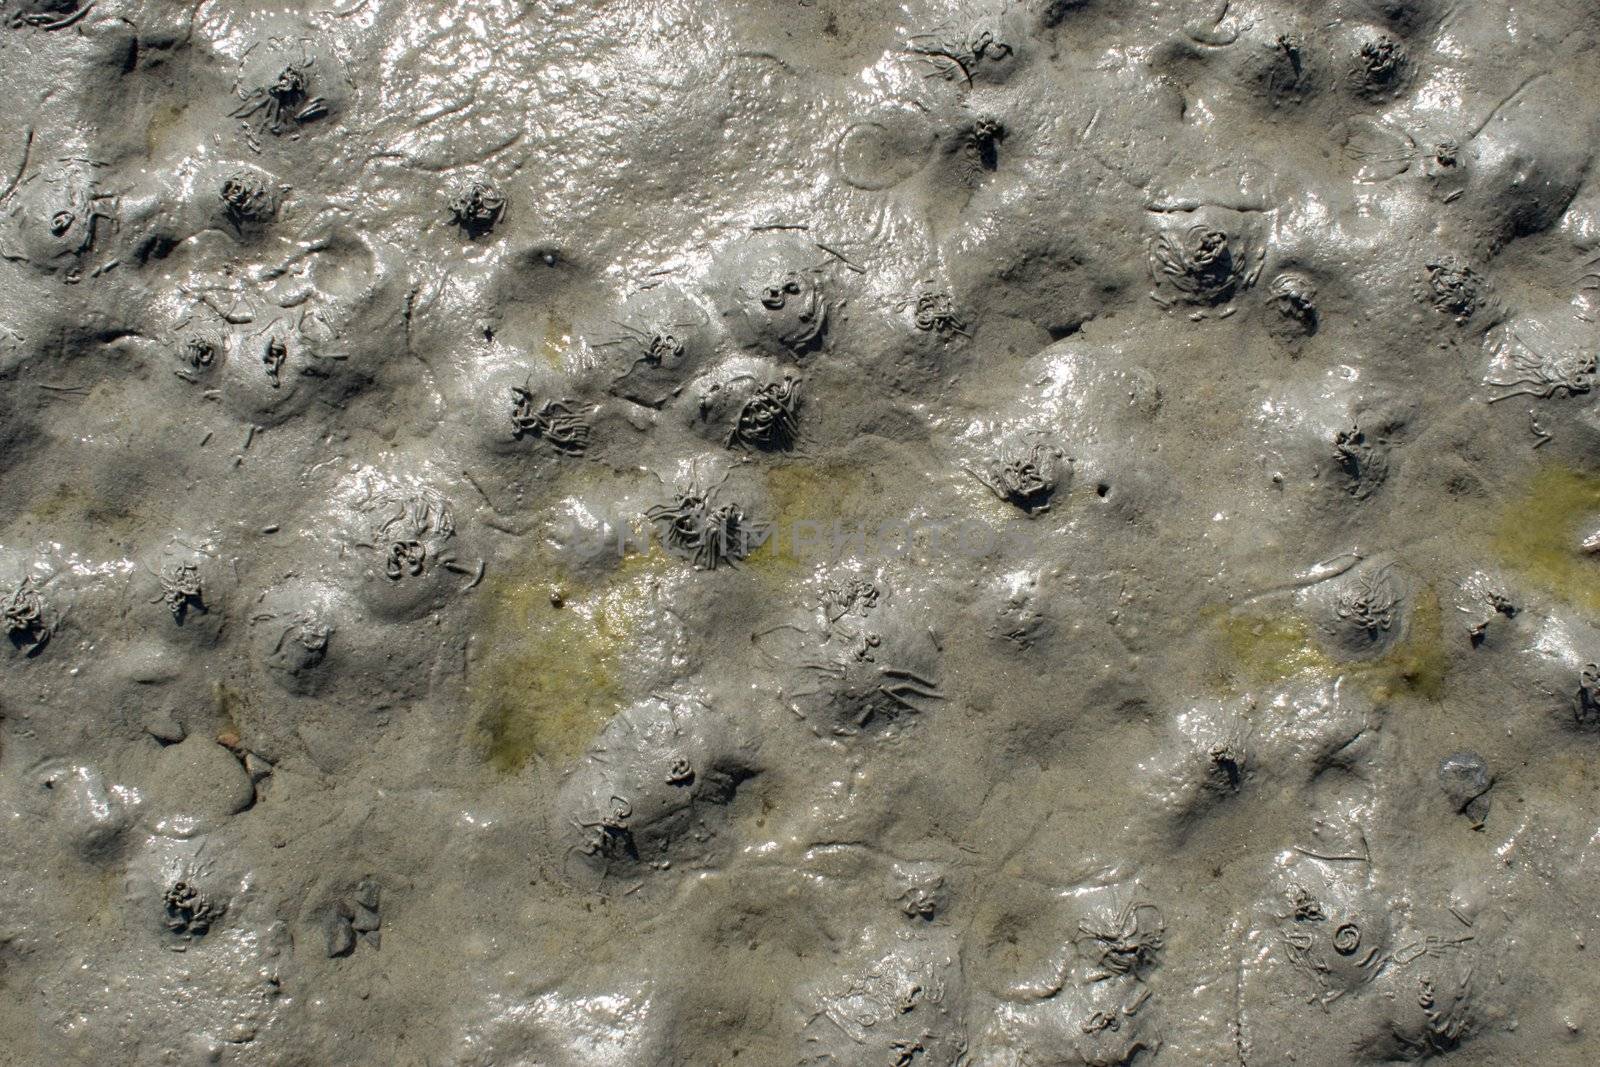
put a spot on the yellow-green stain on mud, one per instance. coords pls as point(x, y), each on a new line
point(1418, 663)
point(545, 678)
point(557, 342)
point(1264, 649)
point(803, 494)
point(1268, 648)
point(1538, 535)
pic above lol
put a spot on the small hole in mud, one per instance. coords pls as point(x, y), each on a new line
point(1102, 490)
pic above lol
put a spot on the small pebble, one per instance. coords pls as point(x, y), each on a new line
point(165, 728)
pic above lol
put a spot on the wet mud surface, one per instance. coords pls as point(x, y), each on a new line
point(612, 534)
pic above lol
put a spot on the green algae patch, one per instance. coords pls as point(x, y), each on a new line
point(1265, 649)
point(1538, 534)
point(545, 678)
point(628, 597)
point(827, 496)
point(1269, 648)
point(1419, 663)
point(557, 342)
